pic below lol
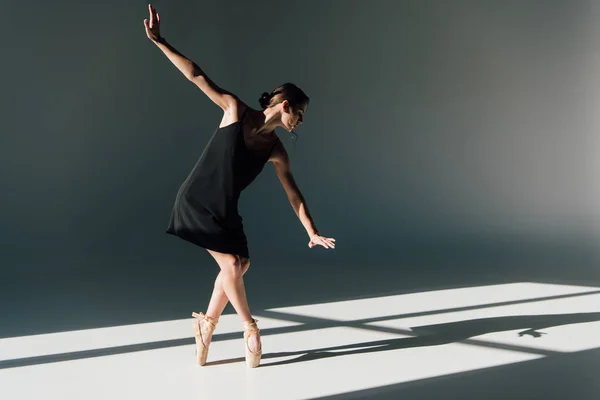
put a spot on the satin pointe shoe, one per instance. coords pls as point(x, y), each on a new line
point(252, 358)
point(203, 327)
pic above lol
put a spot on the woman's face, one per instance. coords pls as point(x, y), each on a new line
point(292, 117)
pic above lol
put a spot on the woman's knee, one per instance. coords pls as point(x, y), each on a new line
point(231, 265)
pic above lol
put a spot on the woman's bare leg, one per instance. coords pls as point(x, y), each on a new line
point(230, 283)
point(219, 300)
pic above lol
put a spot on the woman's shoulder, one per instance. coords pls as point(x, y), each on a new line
point(243, 108)
point(236, 111)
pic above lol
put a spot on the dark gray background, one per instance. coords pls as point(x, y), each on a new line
point(448, 143)
point(430, 122)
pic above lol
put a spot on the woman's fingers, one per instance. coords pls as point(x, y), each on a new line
point(327, 244)
point(330, 241)
point(154, 18)
point(152, 24)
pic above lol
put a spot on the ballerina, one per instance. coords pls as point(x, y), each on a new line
point(206, 206)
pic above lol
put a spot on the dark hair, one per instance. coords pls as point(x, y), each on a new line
point(288, 91)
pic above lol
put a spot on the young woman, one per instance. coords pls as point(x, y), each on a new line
point(206, 207)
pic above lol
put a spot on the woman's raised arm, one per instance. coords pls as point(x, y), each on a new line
point(188, 68)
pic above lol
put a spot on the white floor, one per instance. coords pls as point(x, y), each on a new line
point(310, 351)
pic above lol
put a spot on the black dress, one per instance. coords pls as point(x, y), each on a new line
point(206, 207)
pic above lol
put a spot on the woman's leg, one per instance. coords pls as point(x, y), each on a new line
point(219, 300)
point(229, 285)
point(232, 283)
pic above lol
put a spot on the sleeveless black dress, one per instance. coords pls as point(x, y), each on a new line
point(206, 206)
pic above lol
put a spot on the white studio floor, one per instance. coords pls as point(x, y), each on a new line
point(313, 350)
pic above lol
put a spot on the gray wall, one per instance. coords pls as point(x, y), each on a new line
point(432, 125)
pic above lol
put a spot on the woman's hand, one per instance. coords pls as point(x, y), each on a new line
point(328, 243)
point(152, 26)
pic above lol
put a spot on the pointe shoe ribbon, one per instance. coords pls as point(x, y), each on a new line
point(202, 330)
point(252, 358)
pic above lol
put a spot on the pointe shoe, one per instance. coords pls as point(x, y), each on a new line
point(203, 326)
point(252, 358)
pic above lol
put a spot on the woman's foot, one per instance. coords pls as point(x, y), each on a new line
point(252, 343)
point(204, 327)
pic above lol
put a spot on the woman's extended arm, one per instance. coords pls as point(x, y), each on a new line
point(282, 169)
point(188, 68)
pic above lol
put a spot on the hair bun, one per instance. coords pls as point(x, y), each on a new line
point(264, 100)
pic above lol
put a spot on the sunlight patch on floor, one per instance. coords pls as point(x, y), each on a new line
point(311, 350)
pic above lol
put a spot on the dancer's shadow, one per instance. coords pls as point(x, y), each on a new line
point(431, 335)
